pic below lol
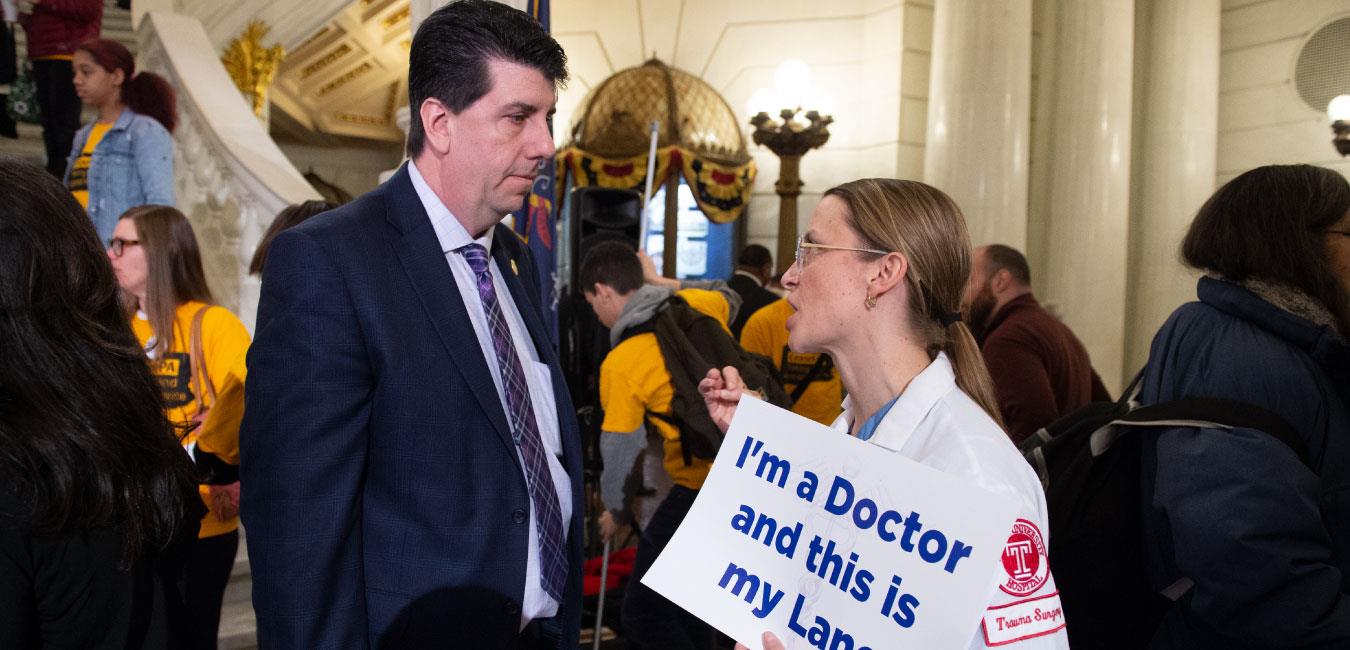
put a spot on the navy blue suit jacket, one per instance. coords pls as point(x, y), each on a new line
point(382, 493)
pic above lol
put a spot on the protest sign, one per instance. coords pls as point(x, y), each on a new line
point(832, 543)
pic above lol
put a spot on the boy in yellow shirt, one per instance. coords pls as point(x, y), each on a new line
point(634, 382)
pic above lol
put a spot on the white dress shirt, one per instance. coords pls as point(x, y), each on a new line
point(935, 423)
point(452, 236)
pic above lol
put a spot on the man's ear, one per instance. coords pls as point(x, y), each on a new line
point(1000, 281)
point(436, 125)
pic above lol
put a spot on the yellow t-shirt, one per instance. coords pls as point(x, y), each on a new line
point(225, 342)
point(79, 168)
point(766, 333)
point(634, 380)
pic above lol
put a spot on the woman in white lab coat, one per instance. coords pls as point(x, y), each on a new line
point(877, 285)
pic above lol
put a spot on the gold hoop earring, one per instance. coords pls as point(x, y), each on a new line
point(870, 303)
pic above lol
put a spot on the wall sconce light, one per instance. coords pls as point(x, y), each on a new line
point(789, 139)
point(1339, 113)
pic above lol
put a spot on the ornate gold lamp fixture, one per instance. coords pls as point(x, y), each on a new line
point(789, 139)
point(252, 66)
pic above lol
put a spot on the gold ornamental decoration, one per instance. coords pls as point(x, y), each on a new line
point(700, 139)
point(251, 65)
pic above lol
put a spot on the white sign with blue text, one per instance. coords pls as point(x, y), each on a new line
point(832, 543)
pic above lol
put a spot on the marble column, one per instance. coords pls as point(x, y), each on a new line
point(1077, 237)
point(1178, 62)
point(979, 114)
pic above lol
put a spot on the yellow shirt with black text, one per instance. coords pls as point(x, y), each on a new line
point(225, 343)
point(634, 380)
point(766, 333)
point(79, 168)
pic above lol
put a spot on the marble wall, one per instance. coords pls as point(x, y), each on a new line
point(869, 59)
point(354, 169)
point(1262, 120)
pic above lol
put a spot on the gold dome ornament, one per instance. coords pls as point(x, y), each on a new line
point(700, 139)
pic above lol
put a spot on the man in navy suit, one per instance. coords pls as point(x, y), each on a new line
point(411, 464)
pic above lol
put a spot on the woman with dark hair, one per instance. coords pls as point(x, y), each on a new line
point(291, 215)
point(1261, 537)
point(97, 499)
point(877, 285)
point(124, 157)
point(196, 351)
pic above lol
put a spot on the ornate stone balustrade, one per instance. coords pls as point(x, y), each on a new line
point(231, 179)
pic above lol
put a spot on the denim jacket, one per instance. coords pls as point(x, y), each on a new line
point(132, 165)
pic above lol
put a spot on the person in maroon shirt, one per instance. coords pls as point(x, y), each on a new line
point(55, 28)
point(1041, 371)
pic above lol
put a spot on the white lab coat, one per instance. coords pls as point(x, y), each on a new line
point(935, 423)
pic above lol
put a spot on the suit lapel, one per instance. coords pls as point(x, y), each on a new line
point(524, 303)
point(503, 252)
point(434, 282)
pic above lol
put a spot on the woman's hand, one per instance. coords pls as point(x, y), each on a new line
point(770, 642)
point(225, 500)
point(721, 390)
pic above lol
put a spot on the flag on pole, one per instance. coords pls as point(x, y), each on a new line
point(536, 221)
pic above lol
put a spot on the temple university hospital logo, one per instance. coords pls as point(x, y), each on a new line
point(1024, 560)
point(1026, 569)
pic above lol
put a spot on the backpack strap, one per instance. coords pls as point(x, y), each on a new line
point(674, 421)
point(1205, 413)
point(816, 368)
point(206, 390)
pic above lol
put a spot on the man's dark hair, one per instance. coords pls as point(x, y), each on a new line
point(1006, 257)
point(614, 264)
point(754, 256)
point(1269, 224)
point(451, 49)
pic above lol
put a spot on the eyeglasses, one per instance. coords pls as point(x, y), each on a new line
point(117, 245)
point(802, 243)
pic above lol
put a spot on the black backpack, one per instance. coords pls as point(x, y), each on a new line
point(694, 343)
point(1089, 464)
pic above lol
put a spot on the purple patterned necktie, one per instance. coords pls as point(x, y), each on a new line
point(525, 431)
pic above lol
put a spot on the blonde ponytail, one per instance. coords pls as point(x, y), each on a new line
point(971, 373)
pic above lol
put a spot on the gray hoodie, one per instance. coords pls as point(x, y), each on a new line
point(618, 449)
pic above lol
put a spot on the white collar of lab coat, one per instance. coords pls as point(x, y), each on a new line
point(910, 409)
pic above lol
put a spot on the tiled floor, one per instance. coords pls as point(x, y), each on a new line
point(238, 627)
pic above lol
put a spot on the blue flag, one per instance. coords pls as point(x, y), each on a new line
point(536, 221)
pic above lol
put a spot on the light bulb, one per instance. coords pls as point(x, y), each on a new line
point(764, 100)
point(792, 80)
point(1339, 109)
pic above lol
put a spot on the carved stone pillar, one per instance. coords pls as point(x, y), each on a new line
point(979, 117)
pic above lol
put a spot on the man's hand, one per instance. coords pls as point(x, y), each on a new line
point(607, 526)
point(650, 276)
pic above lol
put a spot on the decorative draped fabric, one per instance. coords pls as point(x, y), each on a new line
point(722, 191)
